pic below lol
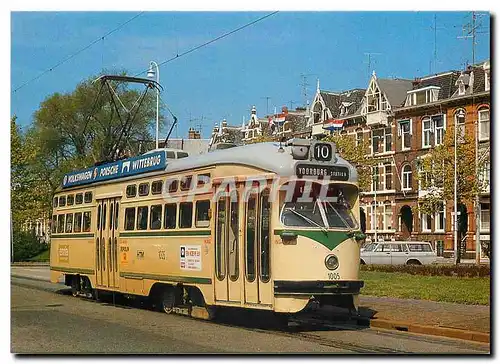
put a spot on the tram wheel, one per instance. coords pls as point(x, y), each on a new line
point(168, 300)
point(74, 285)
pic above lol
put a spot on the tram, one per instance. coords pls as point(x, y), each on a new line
point(269, 226)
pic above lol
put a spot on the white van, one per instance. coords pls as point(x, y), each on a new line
point(398, 252)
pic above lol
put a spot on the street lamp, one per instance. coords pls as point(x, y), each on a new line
point(151, 74)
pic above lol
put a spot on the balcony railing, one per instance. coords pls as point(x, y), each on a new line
point(377, 118)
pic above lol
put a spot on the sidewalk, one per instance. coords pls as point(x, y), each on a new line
point(430, 313)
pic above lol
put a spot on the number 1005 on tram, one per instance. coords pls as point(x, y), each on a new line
point(263, 226)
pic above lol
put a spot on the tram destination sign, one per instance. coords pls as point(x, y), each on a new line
point(122, 168)
point(339, 173)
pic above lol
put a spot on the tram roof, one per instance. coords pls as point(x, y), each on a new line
point(263, 156)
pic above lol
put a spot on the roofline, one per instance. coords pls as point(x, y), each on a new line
point(437, 75)
point(440, 102)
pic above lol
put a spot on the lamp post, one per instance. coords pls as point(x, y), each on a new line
point(455, 235)
point(151, 74)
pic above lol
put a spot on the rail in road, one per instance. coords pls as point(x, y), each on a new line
point(331, 336)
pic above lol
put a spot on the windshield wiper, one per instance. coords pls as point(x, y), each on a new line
point(308, 219)
point(341, 218)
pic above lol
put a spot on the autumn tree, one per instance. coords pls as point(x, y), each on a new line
point(358, 155)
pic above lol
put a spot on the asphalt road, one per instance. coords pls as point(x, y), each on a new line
point(46, 319)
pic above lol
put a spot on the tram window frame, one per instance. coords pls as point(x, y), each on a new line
point(111, 214)
point(202, 182)
point(78, 221)
point(186, 182)
point(170, 154)
point(54, 224)
point(117, 209)
point(220, 238)
point(204, 213)
point(129, 219)
point(265, 269)
point(182, 214)
point(60, 223)
point(87, 199)
point(156, 187)
point(70, 200)
point(173, 185)
point(62, 201)
point(250, 260)
point(168, 218)
point(131, 191)
point(142, 220)
point(78, 198)
point(68, 224)
point(182, 155)
point(55, 202)
point(152, 212)
point(143, 189)
point(234, 226)
point(86, 221)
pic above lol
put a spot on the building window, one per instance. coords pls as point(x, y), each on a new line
point(426, 132)
point(440, 218)
point(485, 177)
point(359, 136)
point(387, 176)
point(185, 214)
point(142, 217)
point(484, 224)
point(484, 124)
point(460, 125)
point(405, 133)
point(406, 173)
point(387, 216)
point(440, 127)
point(426, 222)
point(382, 140)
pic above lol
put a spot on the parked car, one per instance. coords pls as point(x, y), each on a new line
point(398, 252)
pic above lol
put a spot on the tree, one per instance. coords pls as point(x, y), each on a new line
point(358, 155)
point(437, 175)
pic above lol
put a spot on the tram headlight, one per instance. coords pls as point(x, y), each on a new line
point(332, 262)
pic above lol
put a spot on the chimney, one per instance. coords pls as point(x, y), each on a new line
point(284, 110)
point(194, 134)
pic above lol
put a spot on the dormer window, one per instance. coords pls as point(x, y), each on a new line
point(461, 88)
point(422, 96)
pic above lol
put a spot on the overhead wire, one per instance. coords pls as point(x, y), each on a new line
point(78, 52)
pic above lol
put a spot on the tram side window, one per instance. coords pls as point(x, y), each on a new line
point(203, 179)
point(86, 221)
point(62, 201)
point(55, 201)
point(78, 222)
point(129, 218)
point(186, 183)
point(144, 189)
point(265, 214)
point(170, 216)
point(156, 187)
point(60, 223)
point(234, 271)
point(131, 190)
point(142, 217)
point(54, 223)
point(88, 197)
point(79, 198)
point(185, 214)
point(220, 239)
point(71, 200)
point(182, 155)
point(202, 212)
point(173, 185)
point(69, 223)
point(155, 219)
point(250, 237)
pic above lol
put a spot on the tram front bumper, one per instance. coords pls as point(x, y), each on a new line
point(317, 288)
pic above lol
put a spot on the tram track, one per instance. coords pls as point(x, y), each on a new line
point(308, 328)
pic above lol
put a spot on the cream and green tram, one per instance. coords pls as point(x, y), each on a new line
point(263, 226)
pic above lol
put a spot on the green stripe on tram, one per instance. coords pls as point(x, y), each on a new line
point(160, 277)
point(329, 239)
point(166, 233)
point(72, 236)
point(72, 270)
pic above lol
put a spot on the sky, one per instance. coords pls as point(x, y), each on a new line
point(260, 65)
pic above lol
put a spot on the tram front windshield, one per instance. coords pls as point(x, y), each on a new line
point(331, 211)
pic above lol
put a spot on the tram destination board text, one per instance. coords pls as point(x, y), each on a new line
point(339, 173)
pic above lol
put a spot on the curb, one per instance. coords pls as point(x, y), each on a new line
point(431, 330)
point(21, 264)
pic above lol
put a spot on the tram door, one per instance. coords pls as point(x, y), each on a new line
point(227, 248)
point(257, 245)
point(107, 274)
